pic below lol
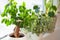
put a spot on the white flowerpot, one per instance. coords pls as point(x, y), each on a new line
point(22, 38)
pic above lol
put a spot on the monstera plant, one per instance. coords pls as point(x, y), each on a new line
point(20, 16)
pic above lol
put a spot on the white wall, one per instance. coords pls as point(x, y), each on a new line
point(29, 3)
point(2, 3)
point(55, 2)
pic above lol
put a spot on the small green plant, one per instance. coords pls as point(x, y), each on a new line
point(52, 11)
point(20, 16)
point(36, 8)
point(50, 8)
point(46, 22)
point(51, 14)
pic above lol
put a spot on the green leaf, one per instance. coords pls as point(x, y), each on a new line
point(12, 20)
point(54, 8)
point(51, 14)
point(3, 20)
point(3, 14)
point(48, 5)
point(35, 7)
point(8, 22)
point(6, 6)
point(10, 0)
point(23, 4)
point(22, 8)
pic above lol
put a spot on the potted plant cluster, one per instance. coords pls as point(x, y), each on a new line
point(52, 13)
point(26, 18)
point(19, 16)
point(46, 22)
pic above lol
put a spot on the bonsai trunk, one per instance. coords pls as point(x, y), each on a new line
point(16, 32)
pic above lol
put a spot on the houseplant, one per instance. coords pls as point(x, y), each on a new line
point(20, 16)
point(25, 18)
point(46, 22)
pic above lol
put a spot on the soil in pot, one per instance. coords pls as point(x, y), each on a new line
point(20, 36)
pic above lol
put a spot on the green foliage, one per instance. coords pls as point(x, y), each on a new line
point(44, 24)
point(53, 8)
point(27, 16)
point(32, 22)
point(52, 11)
point(35, 7)
point(48, 5)
point(6, 21)
point(50, 8)
point(23, 4)
point(51, 14)
point(10, 9)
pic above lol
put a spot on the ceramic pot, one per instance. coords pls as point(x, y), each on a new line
point(21, 38)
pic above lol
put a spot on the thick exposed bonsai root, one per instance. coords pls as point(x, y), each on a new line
point(16, 32)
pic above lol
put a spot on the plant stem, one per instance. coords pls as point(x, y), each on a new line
point(16, 31)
